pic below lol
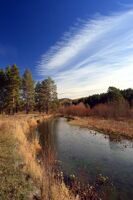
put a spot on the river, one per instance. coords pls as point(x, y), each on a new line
point(87, 153)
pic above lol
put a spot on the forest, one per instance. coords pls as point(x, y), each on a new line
point(22, 93)
point(115, 103)
point(112, 94)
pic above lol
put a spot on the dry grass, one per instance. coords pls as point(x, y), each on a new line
point(20, 127)
point(59, 191)
point(14, 183)
point(122, 127)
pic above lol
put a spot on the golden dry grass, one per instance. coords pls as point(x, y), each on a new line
point(121, 127)
point(20, 127)
point(14, 184)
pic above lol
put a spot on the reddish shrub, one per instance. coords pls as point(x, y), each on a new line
point(75, 110)
point(112, 110)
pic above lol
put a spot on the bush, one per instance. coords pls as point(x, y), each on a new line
point(112, 110)
point(75, 110)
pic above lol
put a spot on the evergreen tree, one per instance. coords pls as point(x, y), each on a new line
point(128, 95)
point(114, 95)
point(2, 90)
point(28, 91)
point(46, 95)
point(12, 89)
point(38, 102)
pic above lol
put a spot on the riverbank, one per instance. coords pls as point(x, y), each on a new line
point(108, 126)
point(22, 174)
point(16, 181)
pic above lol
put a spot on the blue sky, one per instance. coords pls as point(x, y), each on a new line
point(86, 46)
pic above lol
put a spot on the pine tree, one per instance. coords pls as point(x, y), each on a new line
point(46, 95)
point(114, 95)
point(38, 102)
point(28, 91)
point(12, 89)
point(2, 90)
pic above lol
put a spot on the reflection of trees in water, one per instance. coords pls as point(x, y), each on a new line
point(116, 143)
point(119, 143)
point(48, 140)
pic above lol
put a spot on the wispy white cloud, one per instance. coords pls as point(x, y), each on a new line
point(93, 56)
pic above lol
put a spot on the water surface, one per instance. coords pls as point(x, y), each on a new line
point(87, 154)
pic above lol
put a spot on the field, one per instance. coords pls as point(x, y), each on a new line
point(122, 127)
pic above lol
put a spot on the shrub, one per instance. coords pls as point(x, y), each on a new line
point(75, 110)
point(112, 110)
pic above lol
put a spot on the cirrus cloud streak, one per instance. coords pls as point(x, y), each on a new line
point(93, 56)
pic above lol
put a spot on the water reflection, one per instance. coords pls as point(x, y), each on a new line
point(87, 153)
point(48, 140)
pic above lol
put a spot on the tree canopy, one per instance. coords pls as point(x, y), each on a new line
point(112, 95)
point(20, 93)
point(28, 91)
point(46, 95)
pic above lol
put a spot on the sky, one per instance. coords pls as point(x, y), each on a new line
point(85, 46)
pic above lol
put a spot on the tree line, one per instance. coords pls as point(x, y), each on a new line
point(114, 104)
point(112, 95)
point(22, 93)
